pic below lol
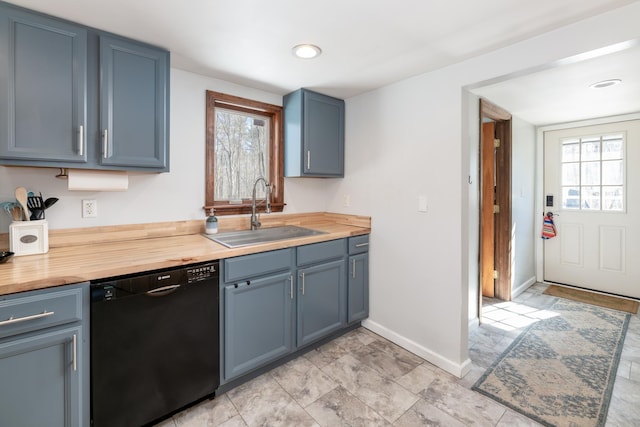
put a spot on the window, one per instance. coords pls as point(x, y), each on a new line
point(243, 143)
point(593, 173)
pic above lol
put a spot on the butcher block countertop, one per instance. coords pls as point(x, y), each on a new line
point(83, 254)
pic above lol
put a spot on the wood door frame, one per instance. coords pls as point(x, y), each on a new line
point(502, 220)
point(487, 216)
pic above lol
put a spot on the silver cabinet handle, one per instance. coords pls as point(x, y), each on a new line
point(291, 286)
point(302, 275)
point(359, 245)
point(105, 144)
point(353, 268)
point(81, 140)
point(163, 290)
point(75, 352)
point(11, 320)
point(308, 159)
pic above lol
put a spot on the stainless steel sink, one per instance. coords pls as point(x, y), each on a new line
point(235, 239)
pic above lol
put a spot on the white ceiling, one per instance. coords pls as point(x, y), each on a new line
point(366, 43)
point(562, 94)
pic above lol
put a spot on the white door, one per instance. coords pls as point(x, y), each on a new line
point(593, 174)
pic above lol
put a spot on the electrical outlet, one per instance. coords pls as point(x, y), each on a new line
point(346, 200)
point(89, 209)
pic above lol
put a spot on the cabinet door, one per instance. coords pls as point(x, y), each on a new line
point(358, 305)
point(323, 135)
point(321, 301)
point(41, 379)
point(43, 78)
point(134, 104)
point(257, 323)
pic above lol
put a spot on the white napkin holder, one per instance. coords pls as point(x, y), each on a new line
point(29, 237)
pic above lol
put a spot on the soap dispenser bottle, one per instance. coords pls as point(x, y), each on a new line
point(211, 225)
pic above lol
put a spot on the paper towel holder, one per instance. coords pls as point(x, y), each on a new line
point(97, 180)
point(63, 174)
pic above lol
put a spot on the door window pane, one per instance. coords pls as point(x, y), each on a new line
point(591, 198)
point(612, 172)
point(612, 199)
point(571, 174)
point(570, 197)
point(593, 173)
point(590, 173)
point(590, 150)
point(571, 151)
point(612, 147)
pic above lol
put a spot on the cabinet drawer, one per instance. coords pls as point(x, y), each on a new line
point(247, 266)
point(318, 252)
point(36, 310)
point(358, 244)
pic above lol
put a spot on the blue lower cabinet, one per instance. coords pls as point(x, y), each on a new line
point(321, 301)
point(41, 380)
point(258, 321)
point(43, 353)
point(358, 296)
point(278, 302)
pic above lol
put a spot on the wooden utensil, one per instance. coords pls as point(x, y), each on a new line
point(16, 213)
point(21, 197)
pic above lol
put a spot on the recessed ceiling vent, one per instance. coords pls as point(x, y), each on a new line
point(605, 83)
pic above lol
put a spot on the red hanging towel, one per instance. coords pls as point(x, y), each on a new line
point(548, 227)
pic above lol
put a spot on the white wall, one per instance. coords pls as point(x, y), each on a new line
point(178, 195)
point(472, 119)
point(413, 138)
point(523, 213)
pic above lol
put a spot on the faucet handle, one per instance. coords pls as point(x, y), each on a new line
point(267, 197)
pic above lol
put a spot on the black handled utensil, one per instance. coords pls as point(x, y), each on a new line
point(50, 202)
point(36, 206)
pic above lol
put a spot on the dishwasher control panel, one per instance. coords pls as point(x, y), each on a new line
point(202, 272)
point(125, 286)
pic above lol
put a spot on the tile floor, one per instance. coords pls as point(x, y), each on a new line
point(361, 379)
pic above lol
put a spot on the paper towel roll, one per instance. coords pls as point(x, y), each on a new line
point(94, 180)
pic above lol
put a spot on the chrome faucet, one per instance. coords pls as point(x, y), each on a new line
point(255, 221)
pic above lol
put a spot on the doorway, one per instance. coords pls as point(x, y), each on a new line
point(589, 183)
point(495, 203)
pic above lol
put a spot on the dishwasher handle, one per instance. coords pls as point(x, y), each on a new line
point(164, 290)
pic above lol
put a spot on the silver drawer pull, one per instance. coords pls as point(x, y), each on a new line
point(105, 144)
point(12, 320)
point(163, 290)
point(81, 140)
point(75, 352)
point(359, 245)
point(291, 286)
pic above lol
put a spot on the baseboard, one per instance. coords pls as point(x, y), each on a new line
point(523, 287)
point(459, 370)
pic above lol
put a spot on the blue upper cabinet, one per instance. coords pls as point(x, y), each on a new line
point(43, 89)
point(313, 135)
point(76, 97)
point(133, 104)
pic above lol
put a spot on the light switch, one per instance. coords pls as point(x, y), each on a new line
point(422, 203)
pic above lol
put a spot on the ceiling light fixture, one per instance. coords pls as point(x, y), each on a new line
point(605, 83)
point(306, 51)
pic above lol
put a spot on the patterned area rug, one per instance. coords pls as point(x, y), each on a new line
point(561, 370)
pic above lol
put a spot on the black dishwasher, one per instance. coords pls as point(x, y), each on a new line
point(154, 344)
